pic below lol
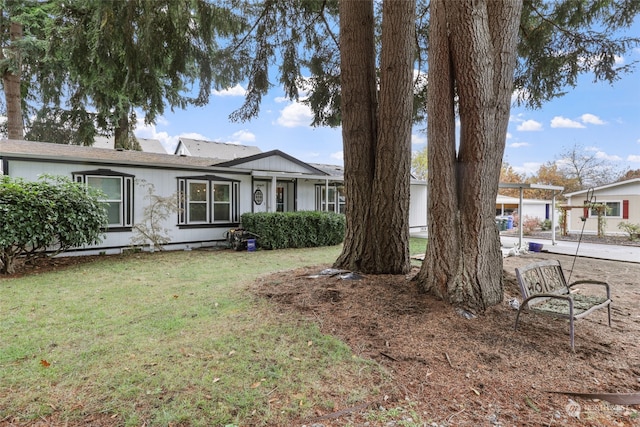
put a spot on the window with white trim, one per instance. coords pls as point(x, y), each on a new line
point(208, 200)
point(613, 209)
point(336, 200)
point(118, 194)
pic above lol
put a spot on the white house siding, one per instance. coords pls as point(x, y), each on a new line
point(418, 207)
point(30, 160)
point(165, 184)
point(620, 192)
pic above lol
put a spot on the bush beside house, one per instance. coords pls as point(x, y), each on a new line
point(303, 229)
point(46, 217)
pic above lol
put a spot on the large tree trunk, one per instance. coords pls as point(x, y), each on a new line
point(472, 55)
point(123, 136)
point(390, 199)
point(377, 139)
point(359, 129)
point(11, 82)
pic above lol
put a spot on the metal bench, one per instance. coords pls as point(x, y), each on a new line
point(545, 291)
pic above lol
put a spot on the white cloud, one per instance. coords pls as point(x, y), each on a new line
point(294, 115)
point(563, 122)
point(509, 136)
point(242, 137)
point(338, 155)
point(418, 139)
point(519, 144)
point(529, 125)
point(237, 90)
point(591, 119)
point(633, 158)
point(150, 132)
point(609, 157)
point(528, 168)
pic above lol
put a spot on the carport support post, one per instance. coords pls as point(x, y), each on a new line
point(520, 218)
point(553, 217)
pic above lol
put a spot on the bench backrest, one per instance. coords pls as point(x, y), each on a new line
point(544, 277)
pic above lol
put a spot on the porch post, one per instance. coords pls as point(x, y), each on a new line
point(326, 195)
point(272, 195)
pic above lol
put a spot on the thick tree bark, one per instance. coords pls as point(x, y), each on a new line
point(390, 207)
point(472, 55)
point(11, 83)
point(359, 128)
point(377, 139)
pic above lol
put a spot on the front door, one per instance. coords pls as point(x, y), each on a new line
point(260, 196)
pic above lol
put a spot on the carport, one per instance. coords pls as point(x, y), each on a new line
point(521, 187)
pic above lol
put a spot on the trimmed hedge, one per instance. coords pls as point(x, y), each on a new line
point(304, 229)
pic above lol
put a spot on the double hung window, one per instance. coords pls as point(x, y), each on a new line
point(117, 189)
point(207, 200)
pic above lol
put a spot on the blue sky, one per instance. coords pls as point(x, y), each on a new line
point(603, 119)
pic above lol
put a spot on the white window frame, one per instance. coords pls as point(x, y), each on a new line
point(189, 202)
point(126, 193)
point(184, 187)
point(594, 212)
point(337, 200)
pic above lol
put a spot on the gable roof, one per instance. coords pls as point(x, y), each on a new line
point(146, 144)
point(274, 160)
point(151, 146)
point(606, 187)
point(214, 150)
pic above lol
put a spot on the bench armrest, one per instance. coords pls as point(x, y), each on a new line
point(592, 282)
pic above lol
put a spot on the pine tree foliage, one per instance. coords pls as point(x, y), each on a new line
point(141, 54)
point(561, 40)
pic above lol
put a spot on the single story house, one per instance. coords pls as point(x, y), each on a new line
point(215, 191)
point(622, 200)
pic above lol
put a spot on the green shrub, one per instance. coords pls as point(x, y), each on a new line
point(47, 216)
point(278, 230)
point(633, 230)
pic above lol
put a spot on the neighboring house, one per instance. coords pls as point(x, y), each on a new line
point(532, 208)
point(622, 200)
point(215, 193)
point(214, 150)
point(146, 145)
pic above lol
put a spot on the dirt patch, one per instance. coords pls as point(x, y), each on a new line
point(470, 372)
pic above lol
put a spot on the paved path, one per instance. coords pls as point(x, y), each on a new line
point(589, 250)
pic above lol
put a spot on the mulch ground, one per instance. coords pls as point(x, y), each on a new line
point(456, 371)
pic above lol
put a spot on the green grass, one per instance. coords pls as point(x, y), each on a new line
point(168, 338)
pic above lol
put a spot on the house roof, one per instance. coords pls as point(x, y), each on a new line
point(269, 162)
point(605, 187)
point(516, 200)
point(333, 170)
point(44, 151)
point(214, 150)
point(146, 144)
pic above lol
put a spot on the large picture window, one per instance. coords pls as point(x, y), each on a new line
point(118, 194)
point(208, 200)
